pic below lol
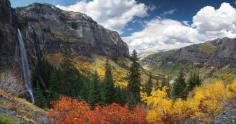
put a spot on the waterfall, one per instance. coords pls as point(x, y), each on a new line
point(25, 66)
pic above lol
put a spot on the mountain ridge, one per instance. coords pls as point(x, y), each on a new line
point(203, 53)
point(214, 58)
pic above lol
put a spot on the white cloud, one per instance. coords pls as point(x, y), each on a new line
point(169, 12)
point(164, 34)
point(113, 14)
point(216, 23)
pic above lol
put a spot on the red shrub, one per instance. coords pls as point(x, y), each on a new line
point(71, 111)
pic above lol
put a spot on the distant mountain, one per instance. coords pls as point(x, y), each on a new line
point(212, 54)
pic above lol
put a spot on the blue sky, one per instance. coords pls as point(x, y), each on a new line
point(138, 20)
point(184, 10)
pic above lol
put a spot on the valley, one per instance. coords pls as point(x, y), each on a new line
point(62, 67)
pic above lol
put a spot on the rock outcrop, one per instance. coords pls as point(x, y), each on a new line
point(48, 30)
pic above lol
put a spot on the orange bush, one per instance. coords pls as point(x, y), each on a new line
point(71, 111)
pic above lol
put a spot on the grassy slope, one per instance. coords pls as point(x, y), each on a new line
point(14, 110)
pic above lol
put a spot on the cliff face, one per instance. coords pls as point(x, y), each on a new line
point(10, 74)
point(51, 30)
point(7, 34)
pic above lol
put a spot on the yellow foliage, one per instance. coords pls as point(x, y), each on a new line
point(97, 63)
point(206, 102)
point(232, 86)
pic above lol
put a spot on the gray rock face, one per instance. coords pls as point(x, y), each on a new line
point(51, 30)
point(8, 37)
point(10, 76)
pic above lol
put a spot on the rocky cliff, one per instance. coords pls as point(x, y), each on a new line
point(10, 69)
point(48, 29)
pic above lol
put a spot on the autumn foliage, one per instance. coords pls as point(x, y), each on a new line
point(71, 111)
point(202, 105)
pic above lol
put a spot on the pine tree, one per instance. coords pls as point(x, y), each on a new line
point(134, 82)
point(193, 81)
point(120, 96)
point(70, 85)
point(179, 87)
point(53, 87)
point(93, 96)
point(40, 99)
point(108, 85)
point(149, 85)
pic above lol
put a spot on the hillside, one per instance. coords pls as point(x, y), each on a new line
point(97, 63)
point(214, 59)
point(14, 110)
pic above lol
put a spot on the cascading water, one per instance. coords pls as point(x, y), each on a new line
point(25, 66)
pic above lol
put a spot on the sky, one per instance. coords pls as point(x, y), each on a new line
point(156, 25)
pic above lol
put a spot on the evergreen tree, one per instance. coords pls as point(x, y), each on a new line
point(84, 90)
point(134, 82)
point(40, 99)
point(149, 85)
point(71, 83)
point(93, 96)
point(120, 96)
point(179, 87)
point(193, 81)
point(53, 87)
point(108, 90)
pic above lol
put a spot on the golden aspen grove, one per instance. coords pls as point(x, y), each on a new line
point(203, 104)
